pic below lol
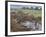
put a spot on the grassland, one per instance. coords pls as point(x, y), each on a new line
point(20, 15)
point(35, 13)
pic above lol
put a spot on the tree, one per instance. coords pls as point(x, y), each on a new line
point(31, 8)
point(27, 8)
point(36, 8)
point(23, 7)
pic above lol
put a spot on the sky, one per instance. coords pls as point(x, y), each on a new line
point(20, 6)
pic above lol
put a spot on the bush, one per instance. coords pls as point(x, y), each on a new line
point(38, 18)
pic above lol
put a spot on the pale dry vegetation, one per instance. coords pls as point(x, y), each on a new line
point(17, 20)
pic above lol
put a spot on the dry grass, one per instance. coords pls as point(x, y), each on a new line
point(16, 22)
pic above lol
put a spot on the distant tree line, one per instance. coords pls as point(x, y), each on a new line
point(32, 8)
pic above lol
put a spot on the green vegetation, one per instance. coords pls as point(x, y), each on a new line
point(31, 8)
point(35, 13)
